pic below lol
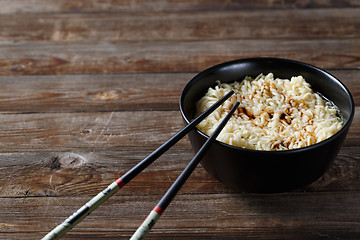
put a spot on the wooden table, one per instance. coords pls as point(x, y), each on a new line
point(89, 88)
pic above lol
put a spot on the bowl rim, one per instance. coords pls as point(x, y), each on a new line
point(344, 128)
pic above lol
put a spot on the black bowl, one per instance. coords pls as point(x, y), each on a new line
point(267, 171)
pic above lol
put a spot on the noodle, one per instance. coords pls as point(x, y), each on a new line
point(274, 114)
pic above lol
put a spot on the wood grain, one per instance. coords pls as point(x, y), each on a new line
point(116, 92)
point(55, 174)
point(37, 58)
point(109, 130)
point(228, 216)
point(43, 6)
point(270, 23)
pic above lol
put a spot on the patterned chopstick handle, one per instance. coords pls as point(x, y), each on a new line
point(84, 211)
point(148, 223)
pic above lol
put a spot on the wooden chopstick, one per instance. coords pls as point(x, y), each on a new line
point(100, 198)
point(155, 214)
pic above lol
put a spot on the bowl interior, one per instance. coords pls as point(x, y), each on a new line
point(320, 80)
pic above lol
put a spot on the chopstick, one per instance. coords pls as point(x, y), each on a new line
point(155, 214)
point(100, 198)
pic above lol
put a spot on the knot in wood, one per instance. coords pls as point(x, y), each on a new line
point(17, 68)
point(106, 96)
point(71, 160)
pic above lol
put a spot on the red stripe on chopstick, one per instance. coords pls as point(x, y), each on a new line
point(120, 182)
point(158, 209)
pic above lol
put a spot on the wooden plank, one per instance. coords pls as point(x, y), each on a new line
point(88, 173)
point(194, 216)
point(117, 92)
point(243, 24)
point(82, 172)
point(43, 6)
point(99, 131)
point(350, 79)
point(108, 130)
point(175, 56)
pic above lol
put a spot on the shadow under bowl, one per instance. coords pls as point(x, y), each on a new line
point(267, 171)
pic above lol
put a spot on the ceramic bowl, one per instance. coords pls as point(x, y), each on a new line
point(267, 171)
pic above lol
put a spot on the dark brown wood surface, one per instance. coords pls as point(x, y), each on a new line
point(89, 88)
